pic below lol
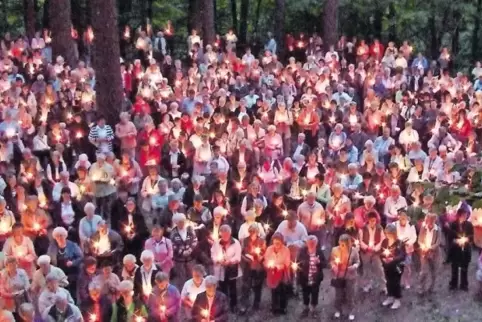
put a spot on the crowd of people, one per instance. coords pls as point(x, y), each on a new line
point(231, 171)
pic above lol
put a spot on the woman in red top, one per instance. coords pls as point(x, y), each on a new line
point(154, 141)
point(461, 127)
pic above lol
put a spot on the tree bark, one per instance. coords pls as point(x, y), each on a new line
point(234, 14)
point(29, 14)
point(109, 90)
point(256, 22)
point(46, 15)
point(243, 24)
point(279, 25)
point(194, 20)
point(209, 34)
point(60, 25)
point(475, 31)
point(330, 16)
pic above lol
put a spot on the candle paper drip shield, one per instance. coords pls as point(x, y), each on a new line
point(275, 277)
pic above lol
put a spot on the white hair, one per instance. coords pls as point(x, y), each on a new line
point(210, 281)
point(125, 286)
point(90, 206)
point(43, 259)
point(147, 254)
point(129, 258)
point(59, 231)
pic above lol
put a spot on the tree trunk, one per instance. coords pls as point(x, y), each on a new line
point(108, 87)
point(434, 49)
point(475, 31)
point(29, 14)
point(377, 23)
point(279, 25)
point(234, 14)
point(194, 20)
point(60, 25)
point(243, 24)
point(209, 35)
point(150, 9)
point(392, 30)
point(46, 15)
point(330, 15)
point(256, 22)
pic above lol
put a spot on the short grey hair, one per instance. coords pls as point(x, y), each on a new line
point(146, 255)
point(59, 231)
point(210, 281)
point(390, 229)
point(90, 206)
point(225, 228)
point(129, 258)
point(162, 277)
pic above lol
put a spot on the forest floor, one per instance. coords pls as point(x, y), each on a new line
point(442, 306)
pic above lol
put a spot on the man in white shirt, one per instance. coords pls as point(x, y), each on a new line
point(294, 232)
point(394, 204)
point(312, 215)
point(432, 165)
point(64, 182)
point(429, 240)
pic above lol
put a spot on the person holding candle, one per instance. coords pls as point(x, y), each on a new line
point(429, 239)
point(277, 265)
point(21, 248)
point(226, 255)
point(101, 175)
point(129, 267)
point(312, 215)
point(309, 270)
point(7, 220)
point(127, 307)
point(371, 237)
point(101, 135)
point(87, 225)
point(132, 228)
point(338, 206)
point(349, 228)
point(52, 288)
point(461, 234)
point(344, 262)
point(105, 243)
point(165, 301)
point(393, 204)
point(162, 249)
point(294, 189)
point(184, 243)
point(211, 305)
point(407, 234)
point(26, 313)
point(393, 257)
point(96, 306)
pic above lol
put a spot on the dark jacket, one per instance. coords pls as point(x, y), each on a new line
point(219, 310)
point(460, 253)
point(304, 266)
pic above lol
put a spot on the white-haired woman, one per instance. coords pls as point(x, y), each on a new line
point(47, 296)
point(127, 307)
point(21, 248)
point(211, 305)
point(88, 224)
point(126, 132)
point(129, 267)
point(45, 268)
point(337, 139)
point(226, 255)
point(184, 243)
point(161, 247)
point(14, 285)
point(202, 156)
point(250, 220)
point(273, 143)
point(144, 278)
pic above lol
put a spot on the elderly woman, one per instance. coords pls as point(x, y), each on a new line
point(338, 206)
point(277, 264)
point(184, 243)
point(66, 255)
point(45, 268)
point(127, 307)
point(129, 267)
point(344, 262)
point(149, 188)
point(393, 257)
point(21, 248)
point(88, 225)
point(144, 278)
point(165, 301)
point(253, 248)
point(36, 222)
point(210, 305)
point(407, 234)
point(106, 244)
point(126, 131)
point(47, 296)
point(250, 220)
point(273, 143)
point(202, 156)
point(7, 220)
point(108, 280)
point(26, 312)
point(226, 255)
point(192, 288)
point(337, 139)
point(14, 285)
point(95, 307)
point(309, 269)
point(162, 249)
point(132, 228)
point(61, 307)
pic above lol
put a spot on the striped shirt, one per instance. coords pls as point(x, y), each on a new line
point(102, 133)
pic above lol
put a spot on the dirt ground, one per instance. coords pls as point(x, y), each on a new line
point(442, 306)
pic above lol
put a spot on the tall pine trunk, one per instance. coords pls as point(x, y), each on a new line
point(475, 31)
point(330, 15)
point(234, 14)
point(243, 24)
point(108, 87)
point(60, 25)
point(256, 19)
point(209, 34)
point(194, 20)
point(46, 14)
point(29, 14)
point(279, 25)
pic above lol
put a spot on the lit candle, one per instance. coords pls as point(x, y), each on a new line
point(386, 252)
point(271, 263)
point(337, 260)
point(78, 135)
point(294, 266)
point(10, 132)
point(266, 226)
point(332, 119)
point(353, 119)
point(92, 317)
point(320, 222)
point(36, 226)
point(205, 313)
point(162, 309)
point(284, 213)
point(257, 250)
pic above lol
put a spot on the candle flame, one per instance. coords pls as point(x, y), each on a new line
point(93, 317)
point(386, 252)
point(257, 250)
point(205, 313)
point(294, 266)
point(270, 263)
point(36, 226)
